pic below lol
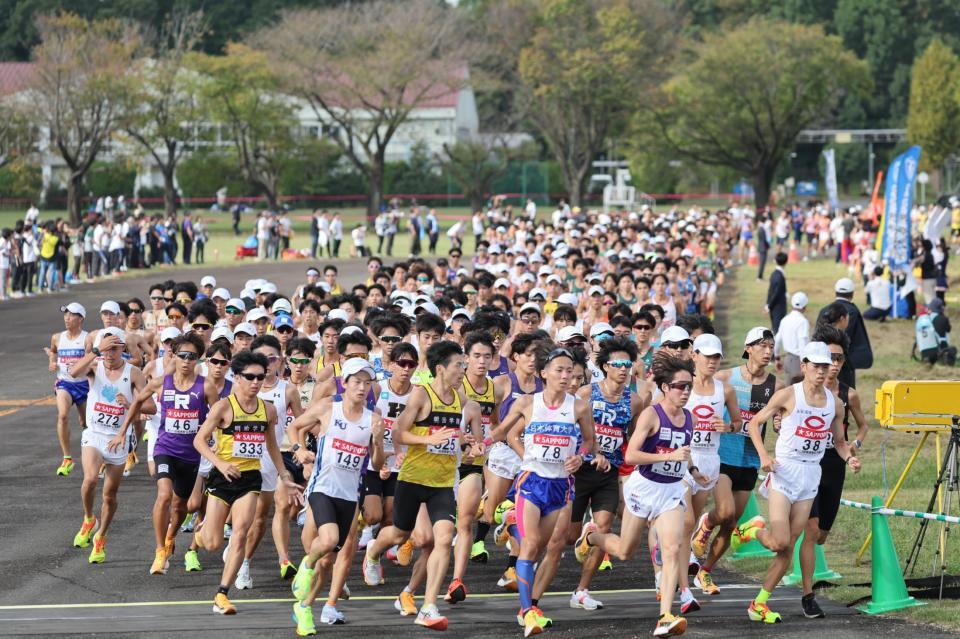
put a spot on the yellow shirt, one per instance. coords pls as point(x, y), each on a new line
point(48, 245)
point(434, 465)
point(488, 405)
point(244, 440)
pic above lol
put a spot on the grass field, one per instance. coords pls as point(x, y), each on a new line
point(891, 343)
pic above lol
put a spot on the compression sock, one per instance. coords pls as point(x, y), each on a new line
point(525, 576)
point(762, 597)
point(482, 529)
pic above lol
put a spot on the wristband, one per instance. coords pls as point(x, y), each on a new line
point(487, 441)
point(587, 457)
point(584, 451)
point(692, 469)
point(858, 444)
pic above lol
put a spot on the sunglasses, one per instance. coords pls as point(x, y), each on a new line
point(837, 357)
point(201, 326)
point(188, 356)
point(423, 279)
point(234, 311)
point(136, 310)
point(218, 362)
point(390, 339)
point(186, 301)
point(620, 363)
point(680, 386)
point(677, 346)
point(465, 292)
point(273, 358)
point(558, 352)
point(250, 377)
point(355, 356)
point(300, 361)
point(157, 298)
point(168, 300)
point(175, 317)
point(642, 327)
point(285, 330)
point(532, 320)
point(408, 364)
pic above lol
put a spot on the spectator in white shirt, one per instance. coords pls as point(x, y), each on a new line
point(878, 294)
point(792, 335)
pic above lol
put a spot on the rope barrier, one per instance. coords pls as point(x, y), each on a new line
point(890, 512)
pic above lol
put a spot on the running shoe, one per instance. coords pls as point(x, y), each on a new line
point(811, 609)
point(303, 615)
point(670, 626)
point(102, 471)
point(391, 555)
point(226, 551)
point(531, 625)
point(545, 622)
point(331, 616)
point(688, 603)
point(761, 612)
point(693, 566)
point(405, 553)
point(704, 581)
point(430, 617)
point(509, 580)
point(582, 599)
point(405, 604)
point(191, 561)
point(372, 571)
point(302, 580)
point(698, 543)
point(99, 552)
point(160, 562)
point(287, 570)
point(365, 538)
point(583, 547)
point(243, 581)
point(606, 564)
point(82, 538)
point(456, 592)
point(478, 552)
point(502, 533)
point(65, 467)
point(746, 532)
point(189, 522)
point(170, 546)
point(132, 460)
point(345, 593)
point(222, 605)
point(501, 510)
point(227, 531)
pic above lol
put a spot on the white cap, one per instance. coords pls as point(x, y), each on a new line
point(673, 335)
point(208, 280)
point(237, 303)
point(754, 335)
point(282, 305)
point(567, 298)
point(844, 285)
point(600, 328)
point(110, 307)
point(347, 330)
point(268, 287)
point(356, 365)
point(222, 332)
point(171, 332)
point(536, 257)
point(111, 330)
point(253, 284)
point(324, 286)
point(530, 306)
point(222, 293)
point(544, 270)
point(338, 313)
point(75, 308)
point(248, 293)
point(593, 277)
point(245, 327)
point(460, 312)
point(708, 344)
point(799, 300)
point(554, 278)
point(520, 260)
point(568, 333)
point(429, 307)
point(256, 313)
point(504, 282)
point(534, 292)
point(501, 267)
point(595, 290)
point(816, 353)
point(528, 277)
point(560, 263)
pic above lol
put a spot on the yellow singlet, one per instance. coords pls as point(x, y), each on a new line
point(488, 404)
point(434, 465)
point(243, 441)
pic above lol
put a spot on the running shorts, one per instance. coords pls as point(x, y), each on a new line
point(182, 473)
point(230, 491)
point(709, 466)
point(78, 391)
point(295, 469)
point(331, 510)
point(648, 499)
point(152, 433)
point(827, 502)
point(795, 480)
point(546, 493)
point(269, 473)
point(470, 469)
point(503, 461)
point(374, 485)
point(441, 504)
point(600, 491)
point(742, 478)
point(205, 467)
point(90, 439)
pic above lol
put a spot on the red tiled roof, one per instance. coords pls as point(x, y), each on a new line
point(14, 76)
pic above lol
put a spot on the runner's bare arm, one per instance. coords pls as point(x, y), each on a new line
point(781, 400)
point(315, 419)
point(133, 412)
point(51, 352)
point(733, 409)
point(474, 424)
point(418, 408)
point(584, 413)
point(853, 404)
point(515, 422)
point(501, 432)
point(294, 492)
point(840, 442)
point(293, 400)
point(377, 455)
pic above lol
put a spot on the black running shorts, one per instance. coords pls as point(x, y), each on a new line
point(228, 492)
point(741, 478)
point(601, 491)
point(827, 502)
point(182, 473)
point(441, 505)
point(331, 510)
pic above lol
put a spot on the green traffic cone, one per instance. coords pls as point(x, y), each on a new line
point(752, 548)
point(888, 591)
point(821, 572)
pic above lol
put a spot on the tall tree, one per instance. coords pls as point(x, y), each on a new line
point(364, 67)
point(587, 65)
point(748, 92)
point(934, 118)
point(475, 165)
point(164, 106)
point(81, 81)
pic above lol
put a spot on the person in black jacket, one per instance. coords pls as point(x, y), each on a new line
point(776, 305)
point(860, 354)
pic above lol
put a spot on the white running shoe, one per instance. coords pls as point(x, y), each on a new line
point(365, 538)
point(372, 572)
point(331, 616)
point(244, 581)
point(582, 599)
point(226, 551)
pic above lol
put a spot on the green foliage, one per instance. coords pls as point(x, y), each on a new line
point(110, 178)
point(312, 169)
point(418, 174)
point(934, 120)
point(21, 179)
point(204, 173)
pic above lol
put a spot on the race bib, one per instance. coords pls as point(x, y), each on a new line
point(746, 416)
point(550, 448)
point(705, 436)
point(609, 438)
point(448, 447)
point(108, 415)
point(347, 455)
point(387, 435)
point(812, 437)
point(181, 422)
point(248, 444)
point(672, 468)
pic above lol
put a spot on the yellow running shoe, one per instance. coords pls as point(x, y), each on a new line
point(65, 466)
point(160, 562)
point(606, 564)
point(303, 615)
point(191, 562)
point(405, 604)
point(509, 580)
point(698, 543)
point(704, 580)
point(502, 533)
point(302, 581)
point(405, 553)
point(531, 625)
point(222, 605)
point(583, 547)
point(99, 553)
point(745, 532)
point(670, 626)
point(132, 460)
point(287, 570)
point(82, 538)
point(761, 612)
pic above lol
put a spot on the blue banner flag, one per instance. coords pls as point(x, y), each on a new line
point(895, 249)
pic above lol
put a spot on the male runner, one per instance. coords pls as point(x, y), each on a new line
point(66, 349)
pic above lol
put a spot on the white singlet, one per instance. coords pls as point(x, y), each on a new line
point(804, 432)
point(69, 351)
point(390, 405)
point(342, 454)
point(104, 414)
point(550, 438)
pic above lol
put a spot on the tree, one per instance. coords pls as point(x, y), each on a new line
point(240, 93)
point(364, 67)
point(164, 105)
point(475, 165)
point(748, 92)
point(933, 121)
point(18, 135)
point(587, 65)
point(80, 86)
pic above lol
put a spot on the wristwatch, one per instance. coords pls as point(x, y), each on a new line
point(95, 351)
point(858, 444)
point(295, 448)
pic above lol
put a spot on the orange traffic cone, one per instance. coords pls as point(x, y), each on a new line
point(753, 259)
point(793, 255)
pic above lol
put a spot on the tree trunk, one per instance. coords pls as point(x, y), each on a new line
point(273, 200)
point(375, 189)
point(762, 179)
point(74, 192)
point(169, 192)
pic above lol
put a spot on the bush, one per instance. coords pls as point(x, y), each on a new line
point(110, 178)
point(204, 173)
point(21, 179)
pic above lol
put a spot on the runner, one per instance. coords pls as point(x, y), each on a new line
point(113, 383)
point(655, 494)
point(811, 413)
point(333, 492)
point(243, 426)
point(66, 349)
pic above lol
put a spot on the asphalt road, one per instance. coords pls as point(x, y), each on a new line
point(48, 588)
